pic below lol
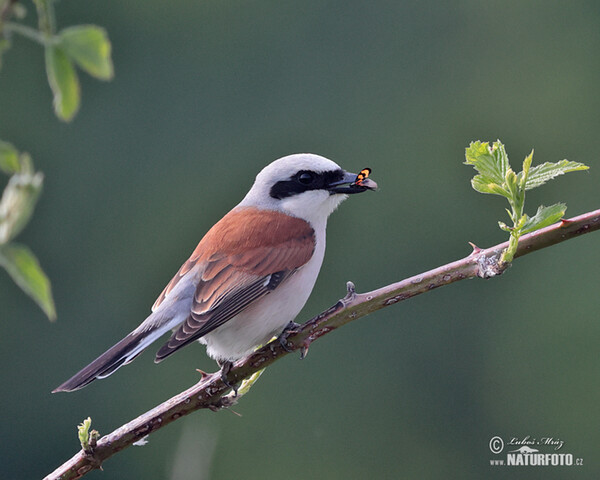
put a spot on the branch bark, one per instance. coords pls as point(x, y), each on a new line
point(210, 392)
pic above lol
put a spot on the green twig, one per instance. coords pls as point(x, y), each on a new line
point(495, 176)
point(28, 32)
point(46, 21)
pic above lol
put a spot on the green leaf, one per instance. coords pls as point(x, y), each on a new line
point(504, 226)
point(63, 82)
point(521, 223)
point(544, 216)
point(83, 433)
point(9, 158)
point(540, 174)
point(501, 158)
point(87, 438)
point(24, 268)
point(511, 184)
point(524, 175)
point(90, 48)
point(491, 163)
point(476, 150)
point(18, 200)
point(248, 383)
point(483, 185)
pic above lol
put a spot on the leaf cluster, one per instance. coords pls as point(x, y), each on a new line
point(87, 437)
point(84, 46)
point(495, 176)
point(16, 207)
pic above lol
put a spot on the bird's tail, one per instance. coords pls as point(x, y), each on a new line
point(118, 355)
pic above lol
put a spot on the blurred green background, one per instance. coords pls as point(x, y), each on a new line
point(207, 93)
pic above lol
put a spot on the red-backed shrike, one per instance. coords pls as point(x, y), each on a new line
point(252, 272)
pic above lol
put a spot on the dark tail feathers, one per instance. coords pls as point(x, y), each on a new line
point(120, 354)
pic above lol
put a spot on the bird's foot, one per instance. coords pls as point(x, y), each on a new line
point(225, 369)
point(290, 329)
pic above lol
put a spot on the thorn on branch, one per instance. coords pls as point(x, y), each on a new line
point(475, 248)
point(304, 350)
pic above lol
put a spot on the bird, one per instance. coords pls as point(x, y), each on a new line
point(251, 273)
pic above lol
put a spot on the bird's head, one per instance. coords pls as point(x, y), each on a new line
point(305, 185)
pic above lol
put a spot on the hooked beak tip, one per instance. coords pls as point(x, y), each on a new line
point(369, 184)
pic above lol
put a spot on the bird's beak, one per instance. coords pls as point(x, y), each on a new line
point(349, 184)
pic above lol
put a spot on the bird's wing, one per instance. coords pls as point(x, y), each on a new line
point(245, 256)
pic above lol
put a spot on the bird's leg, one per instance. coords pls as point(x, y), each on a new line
point(225, 369)
point(290, 329)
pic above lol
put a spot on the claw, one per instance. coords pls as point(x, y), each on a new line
point(290, 329)
point(225, 369)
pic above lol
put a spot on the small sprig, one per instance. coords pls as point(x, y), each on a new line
point(87, 438)
point(496, 176)
point(248, 383)
point(16, 207)
point(85, 46)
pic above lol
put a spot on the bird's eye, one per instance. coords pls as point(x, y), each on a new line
point(306, 178)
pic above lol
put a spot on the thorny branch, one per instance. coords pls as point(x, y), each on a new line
point(212, 393)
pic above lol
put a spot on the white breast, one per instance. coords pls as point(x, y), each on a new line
point(267, 317)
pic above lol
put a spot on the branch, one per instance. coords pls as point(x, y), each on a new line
point(211, 392)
